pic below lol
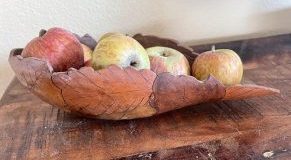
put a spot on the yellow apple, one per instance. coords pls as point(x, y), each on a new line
point(164, 59)
point(120, 50)
point(224, 64)
point(110, 34)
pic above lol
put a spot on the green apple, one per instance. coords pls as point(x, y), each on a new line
point(164, 59)
point(87, 55)
point(224, 64)
point(120, 50)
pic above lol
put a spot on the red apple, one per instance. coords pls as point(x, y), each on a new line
point(57, 46)
point(164, 59)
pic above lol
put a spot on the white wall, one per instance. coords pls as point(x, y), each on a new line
point(192, 21)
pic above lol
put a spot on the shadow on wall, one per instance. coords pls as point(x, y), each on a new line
point(274, 23)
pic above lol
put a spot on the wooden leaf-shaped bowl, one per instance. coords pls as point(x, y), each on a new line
point(124, 93)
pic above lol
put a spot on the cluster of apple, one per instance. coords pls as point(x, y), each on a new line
point(63, 50)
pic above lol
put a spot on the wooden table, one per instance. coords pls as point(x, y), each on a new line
point(257, 128)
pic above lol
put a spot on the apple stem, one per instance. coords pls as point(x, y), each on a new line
point(42, 32)
point(213, 48)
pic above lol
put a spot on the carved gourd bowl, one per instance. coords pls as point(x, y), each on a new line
point(124, 93)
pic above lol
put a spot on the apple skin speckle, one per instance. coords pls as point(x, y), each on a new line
point(120, 50)
point(164, 59)
point(223, 64)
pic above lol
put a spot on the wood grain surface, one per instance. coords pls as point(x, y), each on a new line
point(257, 128)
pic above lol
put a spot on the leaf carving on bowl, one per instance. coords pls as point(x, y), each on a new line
point(246, 91)
point(113, 92)
point(172, 92)
point(123, 93)
point(35, 74)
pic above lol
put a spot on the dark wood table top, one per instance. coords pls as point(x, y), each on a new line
point(257, 128)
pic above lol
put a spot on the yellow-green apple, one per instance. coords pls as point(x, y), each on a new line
point(164, 59)
point(57, 46)
point(120, 50)
point(87, 55)
point(110, 34)
point(224, 64)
